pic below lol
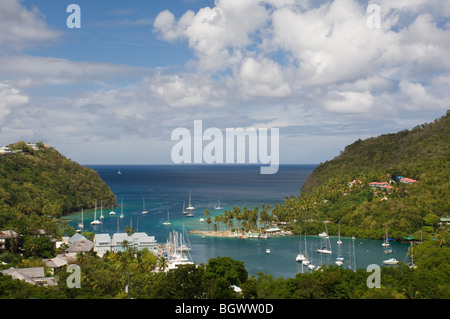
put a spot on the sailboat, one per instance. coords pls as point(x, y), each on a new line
point(101, 210)
point(339, 241)
point(324, 249)
point(184, 209)
point(190, 208)
point(144, 211)
point(306, 261)
point(311, 265)
point(412, 265)
point(183, 246)
point(218, 207)
point(121, 210)
point(167, 222)
point(339, 260)
point(80, 224)
point(95, 221)
point(300, 257)
point(386, 245)
point(119, 172)
point(112, 212)
point(386, 240)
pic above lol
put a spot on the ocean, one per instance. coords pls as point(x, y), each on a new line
point(164, 189)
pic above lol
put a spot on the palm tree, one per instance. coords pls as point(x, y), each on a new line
point(163, 263)
point(125, 244)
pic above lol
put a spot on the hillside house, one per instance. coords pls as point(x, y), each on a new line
point(354, 182)
point(4, 150)
point(382, 185)
point(407, 180)
point(34, 276)
point(6, 238)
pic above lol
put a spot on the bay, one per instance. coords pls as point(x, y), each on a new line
point(165, 188)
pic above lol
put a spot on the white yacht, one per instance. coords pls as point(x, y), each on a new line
point(101, 210)
point(167, 222)
point(190, 208)
point(391, 261)
point(121, 210)
point(218, 207)
point(95, 221)
point(144, 211)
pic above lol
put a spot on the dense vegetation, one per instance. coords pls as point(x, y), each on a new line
point(107, 277)
point(407, 210)
point(37, 187)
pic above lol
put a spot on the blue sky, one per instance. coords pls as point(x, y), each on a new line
point(112, 91)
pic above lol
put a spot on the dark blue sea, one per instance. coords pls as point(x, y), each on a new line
point(165, 188)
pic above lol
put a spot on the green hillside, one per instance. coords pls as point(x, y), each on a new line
point(421, 154)
point(38, 186)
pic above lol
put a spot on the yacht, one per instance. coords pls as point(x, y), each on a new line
point(167, 222)
point(339, 261)
point(324, 249)
point(101, 210)
point(190, 208)
point(391, 261)
point(144, 211)
point(95, 221)
point(121, 210)
point(339, 241)
point(81, 224)
point(268, 251)
point(184, 209)
point(218, 207)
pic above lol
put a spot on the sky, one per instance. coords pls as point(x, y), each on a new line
point(326, 73)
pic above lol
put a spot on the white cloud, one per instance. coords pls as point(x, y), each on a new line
point(21, 28)
point(49, 70)
point(349, 102)
point(10, 99)
point(262, 77)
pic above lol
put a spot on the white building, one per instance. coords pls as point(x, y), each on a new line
point(4, 150)
point(102, 244)
point(136, 241)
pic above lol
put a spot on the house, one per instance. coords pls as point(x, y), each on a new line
point(382, 185)
point(34, 276)
point(4, 150)
point(407, 180)
point(59, 261)
point(79, 244)
point(33, 146)
point(82, 246)
point(136, 241)
point(102, 244)
point(353, 182)
point(6, 238)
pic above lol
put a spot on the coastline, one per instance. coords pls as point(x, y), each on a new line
point(228, 233)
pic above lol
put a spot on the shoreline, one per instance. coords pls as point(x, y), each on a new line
point(228, 233)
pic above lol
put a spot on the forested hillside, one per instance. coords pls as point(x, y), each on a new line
point(39, 185)
point(421, 154)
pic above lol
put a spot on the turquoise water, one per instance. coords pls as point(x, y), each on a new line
point(165, 188)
